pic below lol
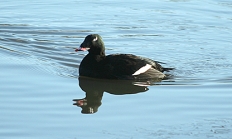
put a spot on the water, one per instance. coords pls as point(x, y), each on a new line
point(39, 69)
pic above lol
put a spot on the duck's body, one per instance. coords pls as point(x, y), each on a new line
point(117, 66)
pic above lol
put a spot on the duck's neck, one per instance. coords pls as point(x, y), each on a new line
point(95, 58)
point(97, 51)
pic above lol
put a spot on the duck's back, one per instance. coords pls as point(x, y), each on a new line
point(128, 66)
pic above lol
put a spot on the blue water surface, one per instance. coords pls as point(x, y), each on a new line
point(39, 69)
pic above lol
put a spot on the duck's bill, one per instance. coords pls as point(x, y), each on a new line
point(82, 49)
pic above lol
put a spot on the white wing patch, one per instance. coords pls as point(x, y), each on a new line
point(143, 69)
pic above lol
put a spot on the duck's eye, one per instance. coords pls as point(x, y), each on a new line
point(95, 39)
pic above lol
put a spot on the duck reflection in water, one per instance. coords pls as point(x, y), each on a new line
point(95, 88)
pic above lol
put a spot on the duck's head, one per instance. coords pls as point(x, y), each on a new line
point(92, 43)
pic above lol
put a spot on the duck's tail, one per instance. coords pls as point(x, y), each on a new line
point(168, 69)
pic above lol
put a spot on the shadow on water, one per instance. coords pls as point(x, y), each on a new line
point(95, 88)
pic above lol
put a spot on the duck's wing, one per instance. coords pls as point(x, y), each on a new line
point(156, 64)
point(127, 66)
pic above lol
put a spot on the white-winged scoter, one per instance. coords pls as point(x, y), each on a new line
point(116, 66)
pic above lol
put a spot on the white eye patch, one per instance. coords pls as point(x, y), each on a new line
point(95, 39)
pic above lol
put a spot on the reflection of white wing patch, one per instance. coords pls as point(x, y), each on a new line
point(143, 69)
